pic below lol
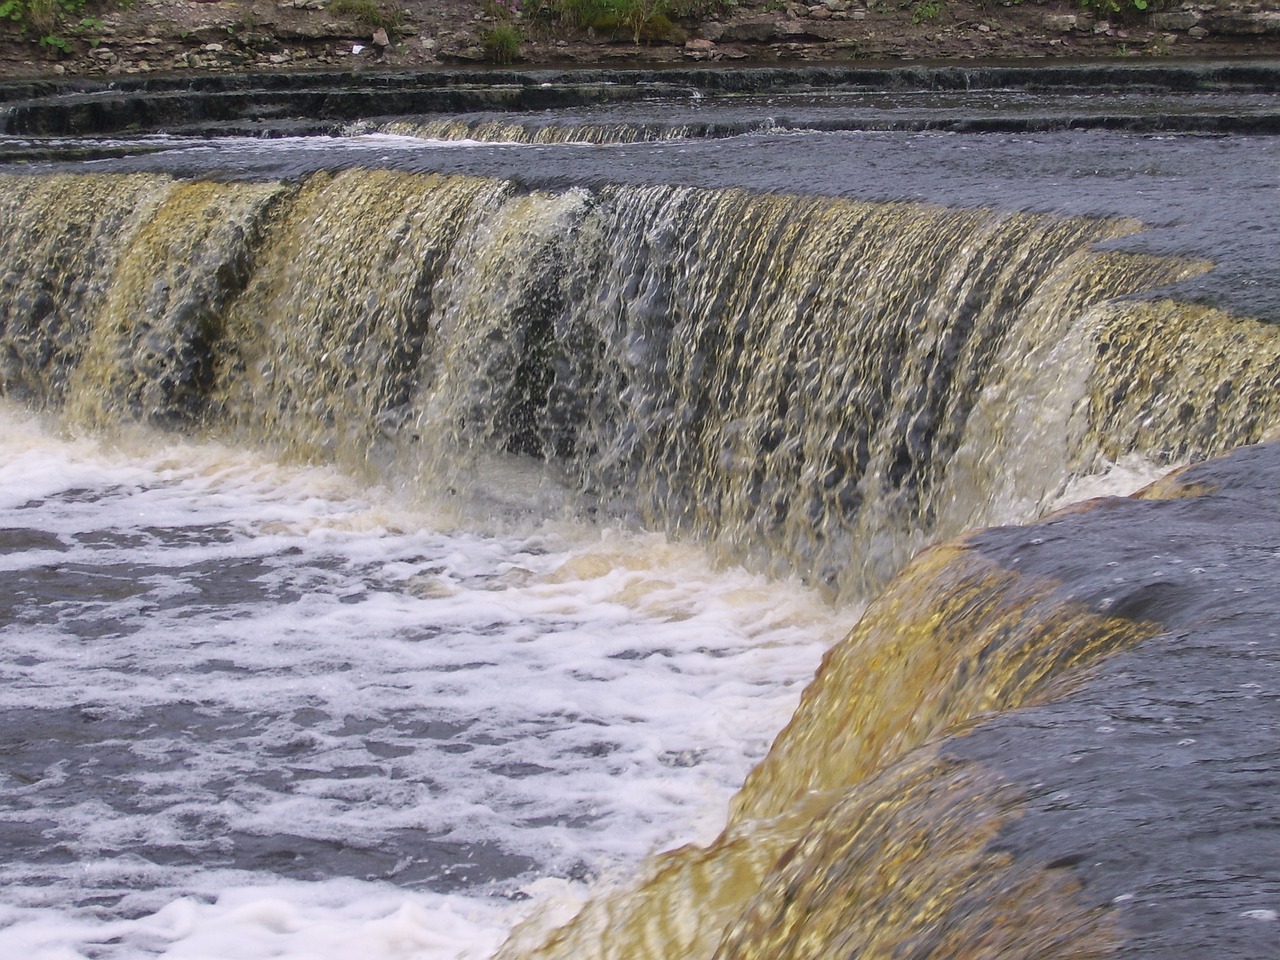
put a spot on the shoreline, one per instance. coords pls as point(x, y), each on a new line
point(198, 38)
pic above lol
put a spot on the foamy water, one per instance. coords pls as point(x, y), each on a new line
point(255, 710)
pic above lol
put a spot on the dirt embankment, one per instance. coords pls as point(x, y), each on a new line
point(146, 36)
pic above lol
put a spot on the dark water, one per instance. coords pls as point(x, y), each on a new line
point(1201, 196)
point(1155, 780)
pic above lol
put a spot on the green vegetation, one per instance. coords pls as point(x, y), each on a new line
point(502, 43)
point(372, 13)
point(926, 10)
point(644, 20)
point(701, 9)
point(585, 14)
point(51, 21)
point(1124, 9)
point(648, 20)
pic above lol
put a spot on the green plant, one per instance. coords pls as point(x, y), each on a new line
point(645, 19)
point(701, 9)
point(1121, 8)
point(44, 18)
point(502, 43)
point(369, 12)
point(926, 10)
point(55, 42)
point(500, 9)
point(91, 28)
point(585, 14)
point(540, 12)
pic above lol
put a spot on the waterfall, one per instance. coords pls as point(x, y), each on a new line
point(510, 131)
point(797, 381)
point(811, 387)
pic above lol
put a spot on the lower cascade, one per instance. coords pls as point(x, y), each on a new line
point(1055, 739)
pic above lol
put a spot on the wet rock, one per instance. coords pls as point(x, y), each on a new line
point(1174, 20)
point(700, 49)
point(754, 30)
point(1262, 22)
point(812, 30)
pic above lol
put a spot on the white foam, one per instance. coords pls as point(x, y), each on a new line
point(1267, 916)
point(335, 920)
point(1120, 479)
point(275, 653)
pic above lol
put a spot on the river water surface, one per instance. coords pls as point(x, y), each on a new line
point(256, 708)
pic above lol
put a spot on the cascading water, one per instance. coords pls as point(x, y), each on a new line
point(513, 131)
point(812, 387)
point(795, 380)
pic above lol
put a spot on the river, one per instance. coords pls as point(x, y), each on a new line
point(410, 532)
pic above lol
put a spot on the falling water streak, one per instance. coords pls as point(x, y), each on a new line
point(62, 238)
point(326, 340)
point(1179, 382)
point(149, 354)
